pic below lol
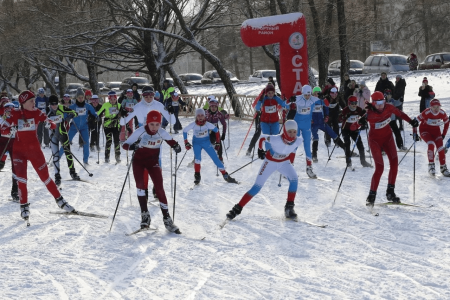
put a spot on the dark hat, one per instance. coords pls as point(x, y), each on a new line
point(147, 89)
point(134, 84)
point(330, 81)
point(53, 100)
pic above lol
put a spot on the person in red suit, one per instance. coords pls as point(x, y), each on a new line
point(24, 122)
point(430, 132)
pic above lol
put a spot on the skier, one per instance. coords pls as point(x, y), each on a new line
point(213, 116)
point(380, 138)
point(6, 144)
point(257, 120)
point(301, 108)
point(111, 125)
point(42, 104)
point(26, 147)
point(349, 116)
point(67, 101)
point(80, 123)
point(140, 111)
point(430, 120)
point(146, 141)
point(334, 103)
point(173, 106)
point(278, 156)
point(319, 121)
point(393, 123)
point(165, 93)
point(267, 105)
point(95, 124)
point(201, 141)
point(60, 115)
point(128, 105)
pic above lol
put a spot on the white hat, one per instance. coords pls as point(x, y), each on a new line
point(306, 90)
point(199, 111)
point(211, 97)
point(334, 90)
point(41, 91)
point(129, 91)
point(290, 124)
point(94, 97)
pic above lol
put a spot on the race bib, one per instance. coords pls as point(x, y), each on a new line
point(175, 103)
point(434, 122)
point(56, 119)
point(318, 108)
point(352, 119)
point(382, 124)
point(279, 156)
point(81, 111)
point(270, 109)
point(129, 105)
point(149, 142)
point(113, 111)
point(332, 105)
point(201, 133)
point(304, 110)
point(28, 125)
point(41, 105)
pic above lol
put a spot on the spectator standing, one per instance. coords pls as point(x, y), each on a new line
point(384, 84)
point(426, 94)
point(349, 90)
point(399, 94)
point(412, 61)
point(362, 93)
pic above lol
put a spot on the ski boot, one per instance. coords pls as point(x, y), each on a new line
point(92, 149)
point(370, 201)
point(2, 165)
point(118, 158)
point(229, 179)
point(15, 196)
point(432, 169)
point(248, 153)
point(145, 220)
point(57, 179)
point(289, 211)
point(64, 205)
point(170, 226)
point(309, 171)
point(390, 194)
point(197, 177)
point(25, 211)
point(339, 142)
point(73, 174)
point(236, 210)
point(107, 160)
point(315, 145)
point(98, 148)
point(445, 171)
point(402, 148)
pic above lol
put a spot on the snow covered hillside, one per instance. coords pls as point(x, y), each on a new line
point(404, 253)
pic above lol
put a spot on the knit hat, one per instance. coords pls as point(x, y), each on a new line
point(376, 96)
point(53, 100)
point(66, 96)
point(334, 90)
point(399, 76)
point(330, 81)
point(154, 116)
point(270, 88)
point(214, 102)
point(352, 99)
point(3, 100)
point(147, 90)
point(435, 102)
point(306, 90)
point(111, 93)
point(211, 97)
point(199, 111)
point(425, 80)
point(88, 93)
point(41, 91)
point(175, 94)
point(129, 91)
point(316, 89)
point(289, 125)
point(25, 96)
point(94, 97)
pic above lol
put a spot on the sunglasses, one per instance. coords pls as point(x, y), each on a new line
point(151, 94)
point(353, 103)
point(379, 102)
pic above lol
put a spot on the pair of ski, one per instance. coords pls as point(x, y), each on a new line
point(222, 225)
point(148, 229)
point(376, 214)
point(75, 213)
point(197, 184)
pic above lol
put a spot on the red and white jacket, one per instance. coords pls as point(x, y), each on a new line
point(432, 122)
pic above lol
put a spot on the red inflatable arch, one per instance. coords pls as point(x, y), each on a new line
point(290, 32)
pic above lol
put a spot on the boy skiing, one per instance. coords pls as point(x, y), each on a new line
point(111, 126)
point(213, 116)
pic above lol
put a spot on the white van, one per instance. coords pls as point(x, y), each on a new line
point(385, 63)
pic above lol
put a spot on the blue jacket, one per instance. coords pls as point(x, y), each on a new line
point(42, 103)
point(320, 111)
point(82, 119)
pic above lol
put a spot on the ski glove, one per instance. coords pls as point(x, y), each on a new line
point(362, 121)
point(261, 154)
point(129, 130)
point(48, 125)
point(123, 112)
point(223, 136)
point(414, 122)
point(187, 145)
point(176, 148)
point(134, 147)
point(170, 108)
point(291, 114)
point(217, 146)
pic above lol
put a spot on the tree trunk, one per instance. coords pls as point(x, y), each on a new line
point(62, 83)
point(343, 45)
point(425, 27)
point(178, 82)
point(93, 81)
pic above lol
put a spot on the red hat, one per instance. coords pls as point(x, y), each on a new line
point(352, 99)
point(3, 100)
point(425, 80)
point(435, 102)
point(377, 96)
point(88, 93)
point(25, 96)
point(154, 116)
point(269, 88)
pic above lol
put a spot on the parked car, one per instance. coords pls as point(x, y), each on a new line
point(315, 72)
point(385, 63)
point(213, 77)
point(263, 75)
point(72, 89)
point(191, 78)
point(101, 85)
point(114, 86)
point(356, 67)
point(436, 61)
point(128, 82)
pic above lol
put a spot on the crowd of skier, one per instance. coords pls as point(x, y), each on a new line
point(137, 123)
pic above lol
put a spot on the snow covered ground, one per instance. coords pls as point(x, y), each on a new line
point(402, 254)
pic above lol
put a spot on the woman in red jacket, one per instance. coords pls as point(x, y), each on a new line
point(380, 138)
point(24, 122)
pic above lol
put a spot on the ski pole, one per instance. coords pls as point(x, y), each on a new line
point(334, 201)
point(224, 149)
point(406, 152)
point(6, 146)
point(181, 160)
point(246, 135)
point(90, 174)
point(171, 178)
point(48, 162)
point(414, 173)
point(175, 188)
point(84, 142)
point(243, 166)
point(370, 151)
point(98, 141)
point(228, 121)
point(279, 182)
point(339, 135)
point(121, 192)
